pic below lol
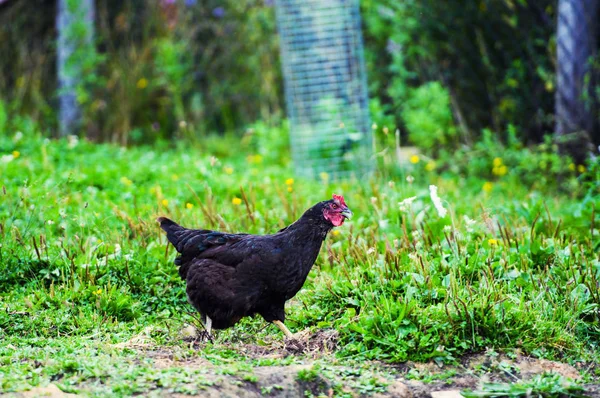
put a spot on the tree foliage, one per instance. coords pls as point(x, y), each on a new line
point(496, 58)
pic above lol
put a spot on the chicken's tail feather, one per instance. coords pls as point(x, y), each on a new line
point(172, 229)
point(174, 235)
point(165, 223)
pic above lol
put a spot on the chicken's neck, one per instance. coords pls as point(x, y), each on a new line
point(303, 239)
point(309, 228)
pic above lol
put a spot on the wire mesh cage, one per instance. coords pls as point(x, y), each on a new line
point(325, 87)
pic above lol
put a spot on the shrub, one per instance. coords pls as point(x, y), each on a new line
point(428, 117)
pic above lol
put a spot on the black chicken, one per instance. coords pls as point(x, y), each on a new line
point(230, 276)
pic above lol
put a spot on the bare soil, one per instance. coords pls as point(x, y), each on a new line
point(400, 381)
point(409, 379)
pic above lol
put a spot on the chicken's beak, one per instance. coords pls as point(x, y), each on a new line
point(346, 213)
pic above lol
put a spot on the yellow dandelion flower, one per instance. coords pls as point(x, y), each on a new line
point(189, 206)
point(430, 166)
point(97, 292)
point(497, 162)
point(581, 168)
point(487, 186)
point(289, 181)
point(385, 130)
point(236, 201)
point(228, 170)
point(493, 242)
point(324, 176)
point(572, 167)
point(254, 159)
point(16, 154)
point(165, 202)
point(142, 83)
point(290, 189)
point(414, 159)
point(500, 170)
point(335, 232)
point(126, 181)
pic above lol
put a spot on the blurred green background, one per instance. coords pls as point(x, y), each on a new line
point(440, 72)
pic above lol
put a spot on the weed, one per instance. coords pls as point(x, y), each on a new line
point(268, 390)
point(430, 377)
point(544, 385)
point(308, 375)
point(250, 378)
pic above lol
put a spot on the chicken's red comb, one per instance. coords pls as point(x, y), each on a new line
point(339, 198)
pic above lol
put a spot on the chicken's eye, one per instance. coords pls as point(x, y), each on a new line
point(334, 206)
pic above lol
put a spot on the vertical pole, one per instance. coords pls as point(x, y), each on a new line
point(576, 45)
point(75, 27)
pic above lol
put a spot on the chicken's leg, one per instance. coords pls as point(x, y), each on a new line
point(284, 329)
point(206, 335)
point(208, 325)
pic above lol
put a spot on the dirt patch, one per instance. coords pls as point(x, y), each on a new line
point(531, 366)
point(164, 358)
point(521, 364)
point(313, 373)
point(323, 342)
point(427, 379)
point(312, 345)
point(50, 390)
point(317, 372)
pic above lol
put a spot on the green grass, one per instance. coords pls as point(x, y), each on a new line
point(544, 385)
point(84, 267)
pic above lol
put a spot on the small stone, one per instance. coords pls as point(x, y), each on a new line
point(188, 332)
point(50, 390)
point(396, 389)
point(446, 394)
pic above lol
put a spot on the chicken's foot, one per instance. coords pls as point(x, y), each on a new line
point(206, 334)
point(284, 329)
